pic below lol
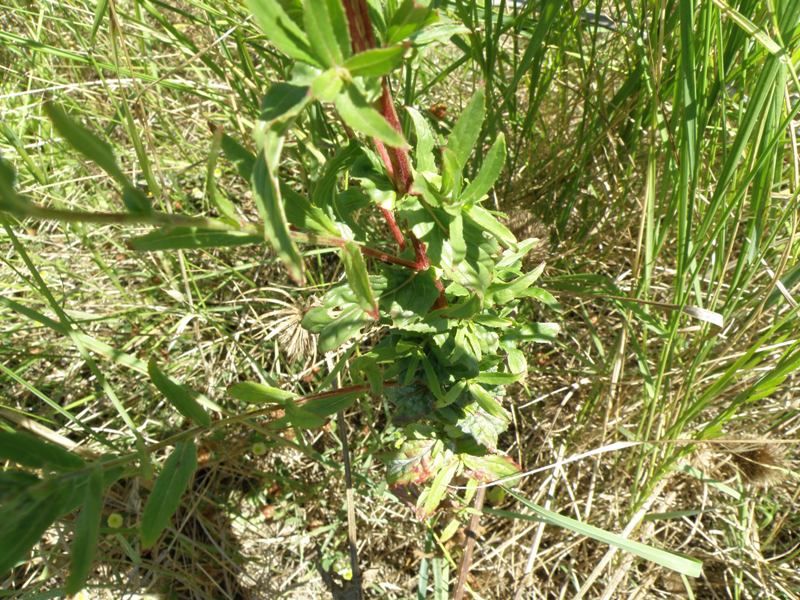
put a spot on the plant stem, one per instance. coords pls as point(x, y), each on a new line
point(472, 536)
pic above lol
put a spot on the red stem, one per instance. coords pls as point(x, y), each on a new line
point(396, 160)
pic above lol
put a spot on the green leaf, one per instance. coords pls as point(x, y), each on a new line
point(425, 162)
point(24, 521)
point(87, 532)
point(166, 495)
point(487, 402)
point(682, 564)
point(489, 172)
point(490, 467)
point(486, 220)
point(502, 293)
point(9, 198)
point(407, 20)
point(305, 216)
point(327, 85)
point(135, 200)
point(303, 418)
point(340, 317)
point(191, 237)
point(327, 30)
point(283, 101)
point(241, 158)
point(376, 62)
point(430, 499)
point(180, 396)
point(463, 310)
point(276, 229)
point(99, 13)
point(30, 451)
point(358, 278)
point(86, 142)
point(358, 114)
point(281, 30)
point(259, 393)
point(467, 129)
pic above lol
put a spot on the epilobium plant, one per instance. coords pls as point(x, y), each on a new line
point(425, 319)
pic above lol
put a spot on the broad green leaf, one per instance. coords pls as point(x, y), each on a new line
point(682, 564)
point(361, 116)
point(283, 101)
point(358, 278)
point(376, 62)
point(276, 228)
point(30, 451)
point(489, 172)
point(86, 142)
point(24, 521)
point(306, 216)
point(14, 482)
point(167, 491)
point(87, 531)
point(303, 418)
point(327, 30)
point(191, 237)
point(430, 499)
point(180, 396)
point(259, 393)
point(281, 30)
point(488, 402)
point(467, 129)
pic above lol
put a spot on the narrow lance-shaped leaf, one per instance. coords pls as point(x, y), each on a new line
point(425, 142)
point(489, 172)
point(259, 393)
point(166, 495)
point(30, 451)
point(191, 237)
point(358, 114)
point(23, 522)
point(358, 278)
point(180, 396)
point(682, 564)
point(85, 142)
point(376, 62)
point(99, 152)
point(327, 30)
point(87, 531)
point(467, 129)
point(276, 229)
point(281, 30)
point(431, 497)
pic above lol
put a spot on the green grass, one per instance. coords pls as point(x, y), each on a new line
point(658, 160)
